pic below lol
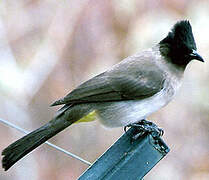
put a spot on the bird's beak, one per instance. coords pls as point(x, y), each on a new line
point(195, 55)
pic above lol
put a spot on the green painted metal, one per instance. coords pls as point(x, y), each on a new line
point(127, 159)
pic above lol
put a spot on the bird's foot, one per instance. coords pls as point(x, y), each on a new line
point(143, 127)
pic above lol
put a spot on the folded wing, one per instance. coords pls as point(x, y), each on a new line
point(131, 79)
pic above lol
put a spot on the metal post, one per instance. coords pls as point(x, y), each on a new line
point(127, 159)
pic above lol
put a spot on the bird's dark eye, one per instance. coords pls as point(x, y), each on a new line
point(190, 51)
point(185, 50)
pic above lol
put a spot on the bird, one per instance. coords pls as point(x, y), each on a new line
point(124, 95)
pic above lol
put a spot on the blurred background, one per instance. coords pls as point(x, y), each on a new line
point(49, 47)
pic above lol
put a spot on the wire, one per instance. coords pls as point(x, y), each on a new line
point(9, 124)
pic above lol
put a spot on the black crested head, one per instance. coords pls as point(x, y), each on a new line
point(179, 45)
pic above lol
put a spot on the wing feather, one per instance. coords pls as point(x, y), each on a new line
point(133, 78)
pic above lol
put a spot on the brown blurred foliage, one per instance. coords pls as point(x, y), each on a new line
point(49, 47)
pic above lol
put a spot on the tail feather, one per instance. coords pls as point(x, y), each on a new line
point(23, 146)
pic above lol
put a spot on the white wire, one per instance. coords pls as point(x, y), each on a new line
point(48, 143)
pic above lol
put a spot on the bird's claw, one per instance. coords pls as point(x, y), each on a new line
point(125, 128)
point(143, 127)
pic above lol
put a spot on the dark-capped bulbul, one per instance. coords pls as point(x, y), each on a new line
point(123, 95)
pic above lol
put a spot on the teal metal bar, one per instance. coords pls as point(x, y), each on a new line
point(127, 159)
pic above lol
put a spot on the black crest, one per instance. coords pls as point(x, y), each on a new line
point(179, 43)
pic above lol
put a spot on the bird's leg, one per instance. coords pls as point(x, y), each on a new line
point(145, 126)
point(125, 128)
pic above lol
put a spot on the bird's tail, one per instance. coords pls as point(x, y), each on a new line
point(23, 146)
point(26, 144)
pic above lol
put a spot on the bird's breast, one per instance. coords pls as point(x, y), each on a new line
point(122, 113)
